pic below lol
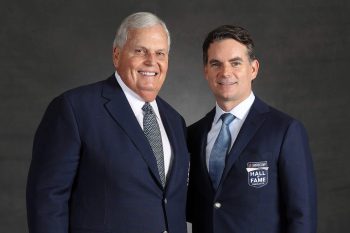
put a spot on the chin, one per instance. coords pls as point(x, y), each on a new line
point(148, 95)
point(148, 88)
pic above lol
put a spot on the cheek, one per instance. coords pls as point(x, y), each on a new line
point(212, 83)
point(133, 62)
point(164, 66)
point(210, 76)
point(212, 79)
point(247, 83)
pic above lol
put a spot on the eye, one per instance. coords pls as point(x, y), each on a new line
point(139, 51)
point(215, 64)
point(160, 54)
point(235, 63)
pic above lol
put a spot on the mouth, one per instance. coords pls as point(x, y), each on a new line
point(226, 82)
point(148, 73)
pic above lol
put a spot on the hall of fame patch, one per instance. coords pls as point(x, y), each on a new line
point(258, 175)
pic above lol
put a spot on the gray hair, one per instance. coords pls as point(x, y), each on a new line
point(134, 21)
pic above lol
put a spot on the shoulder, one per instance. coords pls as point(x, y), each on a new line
point(168, 109)
point(85, 90)
point(88, 94)
point(78, 99)
point(202, 123)
point(276, 117)
point(170, 115)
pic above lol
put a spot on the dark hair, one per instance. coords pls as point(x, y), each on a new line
point(228, 32)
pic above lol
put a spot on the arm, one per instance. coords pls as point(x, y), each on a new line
point(54, 164)
point(297, 181)
point(190, 192)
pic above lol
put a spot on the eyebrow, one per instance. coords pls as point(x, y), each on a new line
point(231, 60)
point(147, 49)
point(214, 61)
point(236, 59)
point(161, 50)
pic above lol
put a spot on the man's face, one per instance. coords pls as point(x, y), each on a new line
point(230, 72)
point(142, 62)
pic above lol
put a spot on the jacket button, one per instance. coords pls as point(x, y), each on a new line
point(217, 205)
point(165, 202)
point(165, 231)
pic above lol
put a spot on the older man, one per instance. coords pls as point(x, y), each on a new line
point(111, 156)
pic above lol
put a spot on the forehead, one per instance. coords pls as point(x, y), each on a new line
point(227, 49)
point(154, 36)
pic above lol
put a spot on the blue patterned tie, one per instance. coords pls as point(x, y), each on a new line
point(220, 149)
point(152, 132)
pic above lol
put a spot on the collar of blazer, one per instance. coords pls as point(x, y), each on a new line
point(119, 109)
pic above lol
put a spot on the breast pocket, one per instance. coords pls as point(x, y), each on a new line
point(258, 167)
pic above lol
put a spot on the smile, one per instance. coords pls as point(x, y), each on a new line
point(147, 73)
point(226, 82)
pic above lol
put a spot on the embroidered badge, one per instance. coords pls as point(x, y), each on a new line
point(258, 175)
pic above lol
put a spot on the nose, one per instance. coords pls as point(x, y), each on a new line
point(226, 70)
point(150, 59)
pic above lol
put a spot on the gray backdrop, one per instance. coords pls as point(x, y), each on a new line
point(48, 46)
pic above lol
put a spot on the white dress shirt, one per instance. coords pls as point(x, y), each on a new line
point(136, 104)
point(240, 112)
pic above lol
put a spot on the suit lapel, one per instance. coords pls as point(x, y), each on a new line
point(120, 110)
point(171, 136)
point(204, 130)
point(252, 123)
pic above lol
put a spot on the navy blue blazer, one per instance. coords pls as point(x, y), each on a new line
point(268, 183)
point(93, 169)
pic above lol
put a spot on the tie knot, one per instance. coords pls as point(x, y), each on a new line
point(147, 108)
point(227, 118)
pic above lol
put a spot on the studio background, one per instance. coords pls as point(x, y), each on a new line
point(49, 46)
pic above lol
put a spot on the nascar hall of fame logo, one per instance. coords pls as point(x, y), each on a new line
point(258, 175)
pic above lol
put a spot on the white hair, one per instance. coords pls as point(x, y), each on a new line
point(137, 20)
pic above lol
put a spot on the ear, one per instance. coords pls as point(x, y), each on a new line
point(254, 68)
point(116, 56)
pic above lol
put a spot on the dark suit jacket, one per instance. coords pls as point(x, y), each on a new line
point(93, 169)
point(276, 196)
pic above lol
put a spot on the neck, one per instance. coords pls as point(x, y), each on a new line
point(227, 106)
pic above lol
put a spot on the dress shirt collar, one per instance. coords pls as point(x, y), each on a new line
point(135, 101)
point(240, 111)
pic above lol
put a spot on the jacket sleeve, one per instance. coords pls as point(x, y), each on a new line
point(297, 181)
point(55, 159)
point(190, 192)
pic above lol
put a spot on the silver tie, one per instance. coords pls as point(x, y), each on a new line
point(152, 132)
